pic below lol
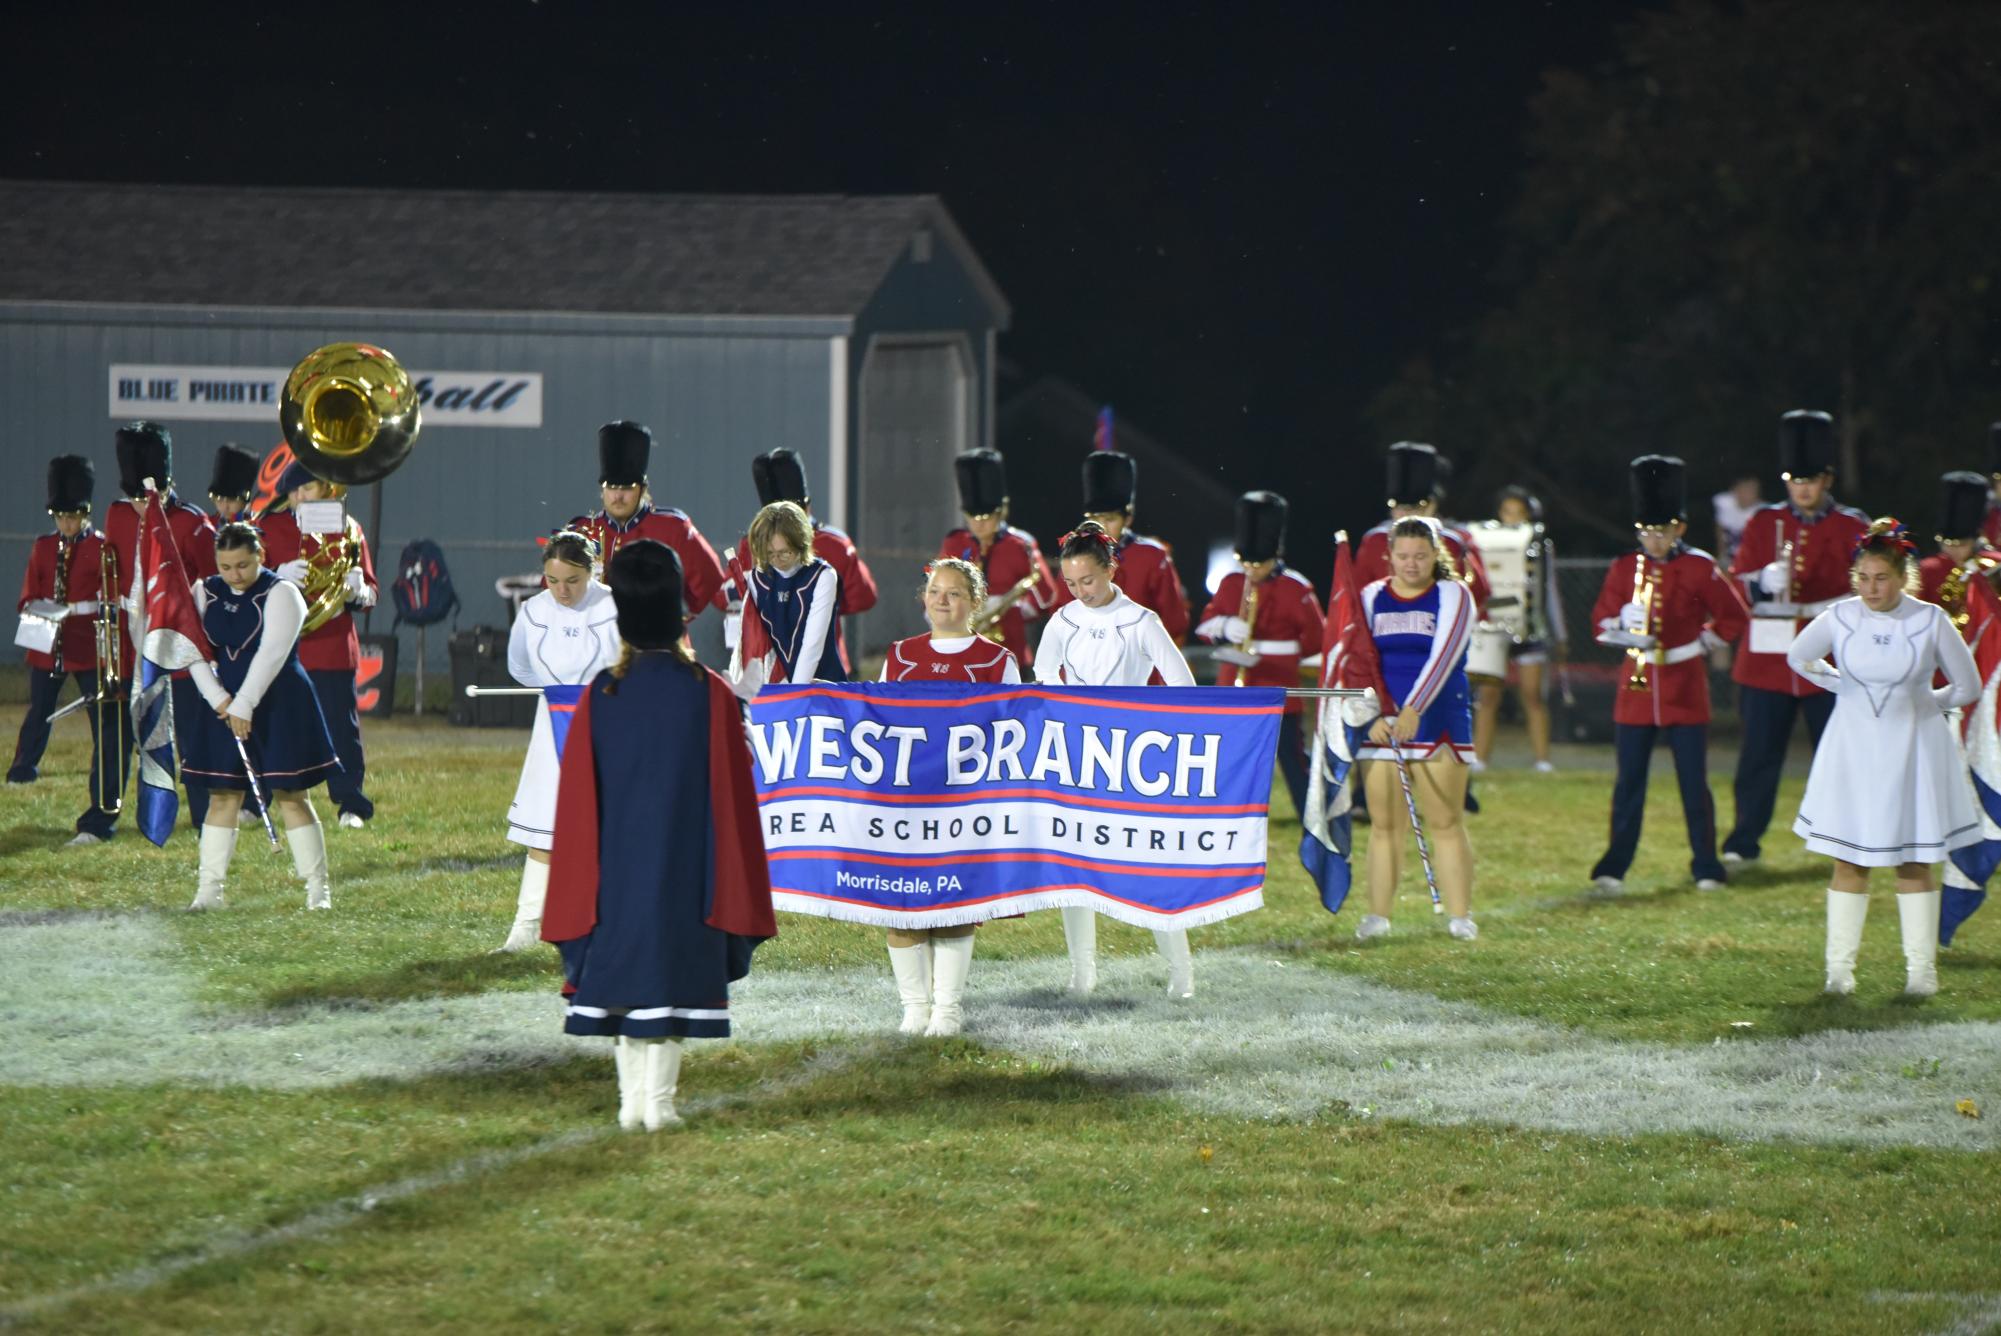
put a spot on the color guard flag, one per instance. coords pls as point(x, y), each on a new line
point(562, 709)
point(1347, 658)
point(171, 638)
point(1967, 872)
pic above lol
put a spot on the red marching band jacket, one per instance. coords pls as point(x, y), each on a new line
point(1146, 572)
point(1372, 561)
point(1289, 626)
point(1690, 596)
point(701, 571)
point(1823, 550)
point(1933, 570)
point(194, 543)
point(858, 591)
point(333, 646)
point(76, 639)
point(1013, 558)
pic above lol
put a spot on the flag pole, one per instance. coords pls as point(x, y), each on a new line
point(264, 808)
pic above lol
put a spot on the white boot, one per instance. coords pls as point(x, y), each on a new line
point(631, 1059)
point(1845, 913)
point(1080, 935)
point(217, 844)
point(662, 1058)
point(912, 967)
point(1918, 915)
point(951, 959)
point(309, 860)
point(1173, 947)
point(527, 929)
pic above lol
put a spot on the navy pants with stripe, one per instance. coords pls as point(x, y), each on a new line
point(1634, 744)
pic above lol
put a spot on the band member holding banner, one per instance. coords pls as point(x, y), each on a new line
point(625, 451)
point(1665, 605)
point(1421, 618)
point(63, 620)
point(781, 476)
point(562, 637)
point(1524, 622)
point(1265, 617)
point(1020, 587)
point(318, 546)
point(1146, 565)
point(788, 612)
point(257, 693)
point(659, 888)
point(146, 450)
point(1793, 564)
point(232, 482)
point(1103, 638)
point(931, 964)
point(1963, 555)
point(1888, 786)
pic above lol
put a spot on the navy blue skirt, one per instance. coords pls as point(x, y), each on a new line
point(288, 741)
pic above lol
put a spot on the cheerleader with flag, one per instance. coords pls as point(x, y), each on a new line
point(265, 713)
point(658, 886)
point(562, 638)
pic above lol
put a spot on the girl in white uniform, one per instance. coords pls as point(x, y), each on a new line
point(1104, 639)
point(1888, 786)
point(563, 636)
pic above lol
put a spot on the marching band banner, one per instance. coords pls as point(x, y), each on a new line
point(921, 804)
point(252, 394)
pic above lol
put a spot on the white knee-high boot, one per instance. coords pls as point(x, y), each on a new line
point(631, 1060)
point(951, 960)
point(217, 844)
point(1080, 935)
point(663, 1076)
point(912, 967)
point(1845, 912)
point(527, 929)
point(1172, 943)
point(1918, 916)
point(309, 860)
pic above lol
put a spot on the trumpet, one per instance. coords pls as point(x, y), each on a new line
point(1249, 613)
point(988, 623)
point(1643, 596)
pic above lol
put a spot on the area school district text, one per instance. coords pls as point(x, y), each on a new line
point(1148, 762)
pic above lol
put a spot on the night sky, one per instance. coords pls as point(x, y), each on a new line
point(1234, 227)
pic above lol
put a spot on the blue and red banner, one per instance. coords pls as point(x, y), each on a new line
point(921, 804)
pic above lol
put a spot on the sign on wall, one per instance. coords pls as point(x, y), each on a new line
point(252, 394)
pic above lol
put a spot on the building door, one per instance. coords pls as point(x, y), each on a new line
point(916, 415)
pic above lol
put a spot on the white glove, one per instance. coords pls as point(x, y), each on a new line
point(87, 608)
point(1628, 639)
point(1360, 711)
point(47, 609)
point(1775, 578)
point(354, 583)
point(1633, 618)
point(990, 607)
point(293, 570)
point(733, 627)
point(1236, 630)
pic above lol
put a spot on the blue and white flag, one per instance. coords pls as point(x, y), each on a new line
point(1329, 837)
point(1968, 870)
point(930, 804)
point(159, 802)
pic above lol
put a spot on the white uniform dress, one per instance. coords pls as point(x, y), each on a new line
point(552, 645)
point(1887, 785)
point(1118, 645)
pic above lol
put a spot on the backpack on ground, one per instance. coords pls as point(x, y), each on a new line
point(423, 589)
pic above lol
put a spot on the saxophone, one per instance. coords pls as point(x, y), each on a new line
point(1952, 590)
point(1643, 596)
point(1249, 612)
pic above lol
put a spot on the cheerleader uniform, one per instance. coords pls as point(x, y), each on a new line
point(255, 636)
point(788, 629)
point(552, 645)
point(1118, 645)
point(1421, 643)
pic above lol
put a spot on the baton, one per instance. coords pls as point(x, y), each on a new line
point(264, 808)
point(1416, 826)
point(503, 691)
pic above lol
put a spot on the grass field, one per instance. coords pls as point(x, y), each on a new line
point(1632, 1115)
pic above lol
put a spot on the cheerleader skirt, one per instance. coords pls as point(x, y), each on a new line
point(1444, 729)
point(288, 743)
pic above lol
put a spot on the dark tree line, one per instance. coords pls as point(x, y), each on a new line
point(1754, 207)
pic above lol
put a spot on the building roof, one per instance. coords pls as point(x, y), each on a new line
point(436, 250)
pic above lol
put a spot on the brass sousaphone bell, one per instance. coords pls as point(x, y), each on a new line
point(351, 416)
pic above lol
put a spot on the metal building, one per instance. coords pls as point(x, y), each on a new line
point(857, 330)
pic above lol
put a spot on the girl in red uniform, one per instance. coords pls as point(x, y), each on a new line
point(931, 963)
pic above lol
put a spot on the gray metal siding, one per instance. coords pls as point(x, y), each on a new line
point(712, 401)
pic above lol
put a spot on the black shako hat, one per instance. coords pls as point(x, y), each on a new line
point(1806, 444)
point(1260, 526)
point(1660, 489)
point(1414, 475)
point(645, 579)
point(982, 478)
point(624, 449)
point(1962, 507)
point(780, 476)
point(71, 479)
point(234, 473)
point(1111, 481)
point(145, 450)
